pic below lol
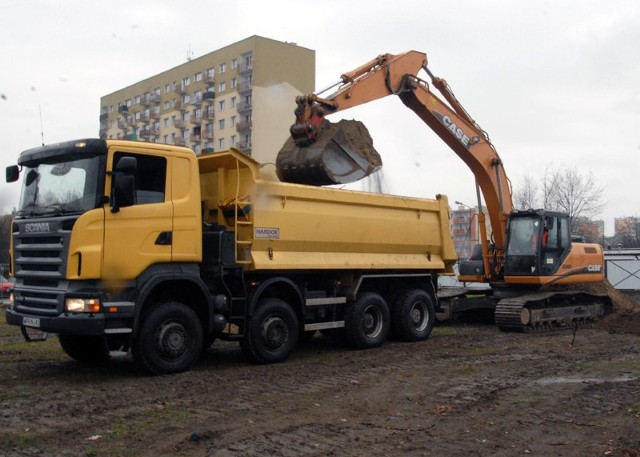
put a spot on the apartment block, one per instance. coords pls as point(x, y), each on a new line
point(241, 96)
point(465, 229)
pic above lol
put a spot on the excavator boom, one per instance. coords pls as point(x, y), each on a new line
point(311, 154)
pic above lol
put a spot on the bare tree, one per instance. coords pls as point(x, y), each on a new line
point(525, 196)
point(563, 189)
point(577, 194)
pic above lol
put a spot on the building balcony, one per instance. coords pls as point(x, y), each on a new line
point(244, 146)
point(209, 96)
point(179, 141)
point(123, 109)
point(207, 150)
point(244, 125)
point(195, 119)
point(196, 101)
point(180, 124)
point(207, 135)
point(244, 107)
point(131, 137)
point(122, 124)
point(195, 138)
point(145, 134)
point(151, 99)
point(180, 106)
point(245, 87)
point(210, 79)
point(103, 117)
point(245, 67)
point(102, 133)
point(209, 115)
point(180, 89)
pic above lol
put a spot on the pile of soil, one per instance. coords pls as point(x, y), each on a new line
point(625, 317)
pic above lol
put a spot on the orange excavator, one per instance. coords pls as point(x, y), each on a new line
point(536, 273)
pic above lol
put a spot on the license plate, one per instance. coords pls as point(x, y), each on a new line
point(31, 322)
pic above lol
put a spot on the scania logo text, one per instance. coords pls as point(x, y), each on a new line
point(37, 227)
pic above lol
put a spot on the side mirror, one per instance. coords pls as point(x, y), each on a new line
point(12, 173)
point(123, 191)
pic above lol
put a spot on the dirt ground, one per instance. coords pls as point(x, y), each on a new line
point(469, 390)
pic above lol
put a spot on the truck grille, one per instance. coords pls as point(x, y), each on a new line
point(40, 263)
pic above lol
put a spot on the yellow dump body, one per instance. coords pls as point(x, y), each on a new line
point(281, 226)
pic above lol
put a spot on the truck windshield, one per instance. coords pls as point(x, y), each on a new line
point(68, 185)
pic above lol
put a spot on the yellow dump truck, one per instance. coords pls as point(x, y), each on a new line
point(122, 245)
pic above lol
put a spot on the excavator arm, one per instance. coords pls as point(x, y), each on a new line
point(398, 75)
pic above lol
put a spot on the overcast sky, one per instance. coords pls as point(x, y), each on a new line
point(554, 83)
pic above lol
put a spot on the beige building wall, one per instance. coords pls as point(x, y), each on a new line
point(242, 95)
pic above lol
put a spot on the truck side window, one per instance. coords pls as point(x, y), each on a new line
point(150, 177)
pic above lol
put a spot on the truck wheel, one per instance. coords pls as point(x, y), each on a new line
point(272, 332)
point(85, 348)
point(366, 321)
point(413, 316)
point(169, 339)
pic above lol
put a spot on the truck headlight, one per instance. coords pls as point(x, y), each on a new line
point(82, 305)
point(12, 303)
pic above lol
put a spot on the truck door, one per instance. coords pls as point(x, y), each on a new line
point(139, 235)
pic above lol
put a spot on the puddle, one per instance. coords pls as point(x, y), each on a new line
point(581, 379)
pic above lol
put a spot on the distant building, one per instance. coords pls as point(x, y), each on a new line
point(242, 96)
point(465, 229)
point(627, 231)
point(590, 231)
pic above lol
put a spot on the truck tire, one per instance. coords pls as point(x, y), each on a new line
point(366, 321)
point(169, 339)
point(272, 332)
point(85, 349)
point(413, 316)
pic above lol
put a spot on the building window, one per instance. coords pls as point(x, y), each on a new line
point(221, 105)
point(234, 64)
point(234, 83)
point(211, 73)
point(166, 105)
point(166, 122)
point(223, 67)
point(221, 124)
point(186, 81)
point(234, 102)
point(167, 88)
point(233, 121)
point(138, 98)
point(197, 77)
point(221, 143)
point(233, 140)
point(128, 103)
point(222, 86)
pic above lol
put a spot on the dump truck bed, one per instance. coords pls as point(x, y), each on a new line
point(282, 226)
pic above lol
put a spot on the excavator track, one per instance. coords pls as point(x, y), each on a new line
point(548, 311)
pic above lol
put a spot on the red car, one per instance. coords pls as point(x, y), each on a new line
point(6, 286)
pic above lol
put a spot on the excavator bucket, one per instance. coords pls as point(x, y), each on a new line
point(342, 153)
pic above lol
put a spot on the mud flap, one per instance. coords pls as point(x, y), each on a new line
point(343, 153)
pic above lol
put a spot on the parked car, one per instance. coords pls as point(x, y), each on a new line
point(6, 286)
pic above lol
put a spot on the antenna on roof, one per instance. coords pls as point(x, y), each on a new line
point(189, 53)
point(41, 127)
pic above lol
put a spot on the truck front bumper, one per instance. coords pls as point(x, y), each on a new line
point(76, 324)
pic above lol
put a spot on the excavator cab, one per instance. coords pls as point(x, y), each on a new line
point(537, 242)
